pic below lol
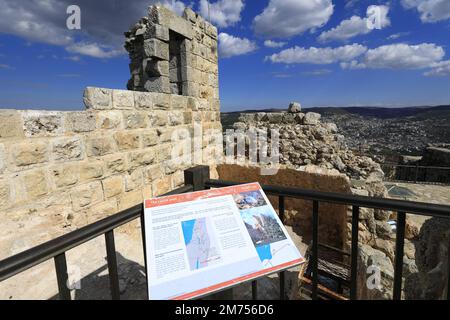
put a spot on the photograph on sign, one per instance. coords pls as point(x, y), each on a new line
point(203, 242)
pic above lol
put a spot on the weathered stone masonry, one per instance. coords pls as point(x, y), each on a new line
point(63, 170)
point(173, 54)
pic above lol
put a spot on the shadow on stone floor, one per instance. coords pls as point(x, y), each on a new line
point(95, 286)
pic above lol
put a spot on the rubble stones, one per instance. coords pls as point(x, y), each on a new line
point(294, 107)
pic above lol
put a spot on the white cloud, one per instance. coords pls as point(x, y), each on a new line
point(430, 10)
point(287, 18)
point(274, 44)
point(223, 13)
point(93, 50)
point(399, 56)
point(102, 23)
point(357, 26)
point(318, 72)
point(174, 5)
point(397, 35)
point(318, 55)
point(439, 69)
point(6, 67)
point(230, 46)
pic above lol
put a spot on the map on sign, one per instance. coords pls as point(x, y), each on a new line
point(202, 242)
point(201, 246)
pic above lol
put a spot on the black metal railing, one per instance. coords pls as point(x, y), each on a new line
point(400, 206)
point(198, 179)
point(56, 249)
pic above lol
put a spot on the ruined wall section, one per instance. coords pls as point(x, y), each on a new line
point(172, 54)
point(63, 170)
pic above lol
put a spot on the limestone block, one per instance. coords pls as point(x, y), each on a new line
point(143, 100)
point(158, 118)
point(80, 121)
point(190, 15)
point(156, 68)
point(113, 186)
point(162, 185)
point(2, 158)
point(157, 84)
point(91, 170)
point(102, 210)
point(311, 118)
point(188, 59)
point(135, 120)
point(123, 99)
point(65, 149)
point(174, 75)
point(163, 152)
point(190, 88)
point(149, 139)
point(159, 32)
point(181, 26)
point(187, 117)
point(100, 146)
point(42, 123)
point(35, 183)
point(141, 158)
point(161, 101)
point(178, 179)
point(192, 104)
point(30, 152)
point(127, 140)
point(109, 120)
point(154, 48)
point(116, 164)
point(179, 102)
point(160, 15)
point(97, 98)
point(175, 118)
point(86, 195)
point(166, 134)
point(134, 180)
point(130, 199)
point(152, 173)
point(65, 175)
point(211, 30)
point(5, 195)
point(10, 124)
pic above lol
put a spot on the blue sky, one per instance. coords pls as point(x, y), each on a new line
point(321, 52)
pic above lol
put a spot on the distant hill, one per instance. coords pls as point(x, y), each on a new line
point(386, 132)
point(388, 113)
point(376, 112)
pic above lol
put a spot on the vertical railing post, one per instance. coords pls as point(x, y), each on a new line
point(354, 257)
point(62, 277)
point(112, 265)
point(144, 245)
point(315, 249)
point(399, 251)
point(282, 274)
point(448, 269)
point(254, 290)
point(196, 177)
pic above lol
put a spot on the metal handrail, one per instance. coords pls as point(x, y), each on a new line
point(420, 208)
point(53, 248)
point(401, 206)
point(198, 179)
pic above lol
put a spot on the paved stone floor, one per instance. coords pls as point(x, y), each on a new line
point(438, 194)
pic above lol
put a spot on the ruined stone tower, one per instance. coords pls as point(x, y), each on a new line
point(173, 54)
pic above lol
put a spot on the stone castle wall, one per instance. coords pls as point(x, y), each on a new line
point(63, 170)
point(173, 54)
